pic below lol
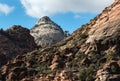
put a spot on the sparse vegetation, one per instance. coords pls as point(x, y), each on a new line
point(66, 33)
point(76, 58)
point(83, 36)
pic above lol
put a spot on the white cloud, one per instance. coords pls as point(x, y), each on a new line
point(76, 16)
point(39, 8)
point(5, 9)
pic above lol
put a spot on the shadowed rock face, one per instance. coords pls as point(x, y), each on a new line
point(21, 37)
point(46, 32)
point(91, 53)
point(14, 41)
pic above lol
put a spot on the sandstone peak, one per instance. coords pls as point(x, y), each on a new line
point(44, 19)
point(46, 32)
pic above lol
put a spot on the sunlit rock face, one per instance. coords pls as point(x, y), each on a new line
point(46, 32)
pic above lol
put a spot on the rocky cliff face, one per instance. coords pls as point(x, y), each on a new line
point(15, 40)
point(46, 32)
point(91, 53)
point(105, 28)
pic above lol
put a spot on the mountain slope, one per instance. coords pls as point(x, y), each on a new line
point(46, 32)
point(14, 41)
point(91, 53)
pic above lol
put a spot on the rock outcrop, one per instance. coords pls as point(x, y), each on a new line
point(21, 37)
point(46, 32)
point(101, 33)
point(105, 28)
point(109, 72)
point(15, 40)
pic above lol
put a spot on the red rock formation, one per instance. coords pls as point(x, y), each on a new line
point(91, 53)
point(14, 41)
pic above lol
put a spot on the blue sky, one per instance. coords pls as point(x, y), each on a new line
point(69, 14)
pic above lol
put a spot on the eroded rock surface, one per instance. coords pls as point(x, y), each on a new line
point(46, 32)
point(91, 53)
point(14, 41)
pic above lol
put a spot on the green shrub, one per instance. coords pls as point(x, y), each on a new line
point(83, 36)
point(111, 55)
point(113, 69)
